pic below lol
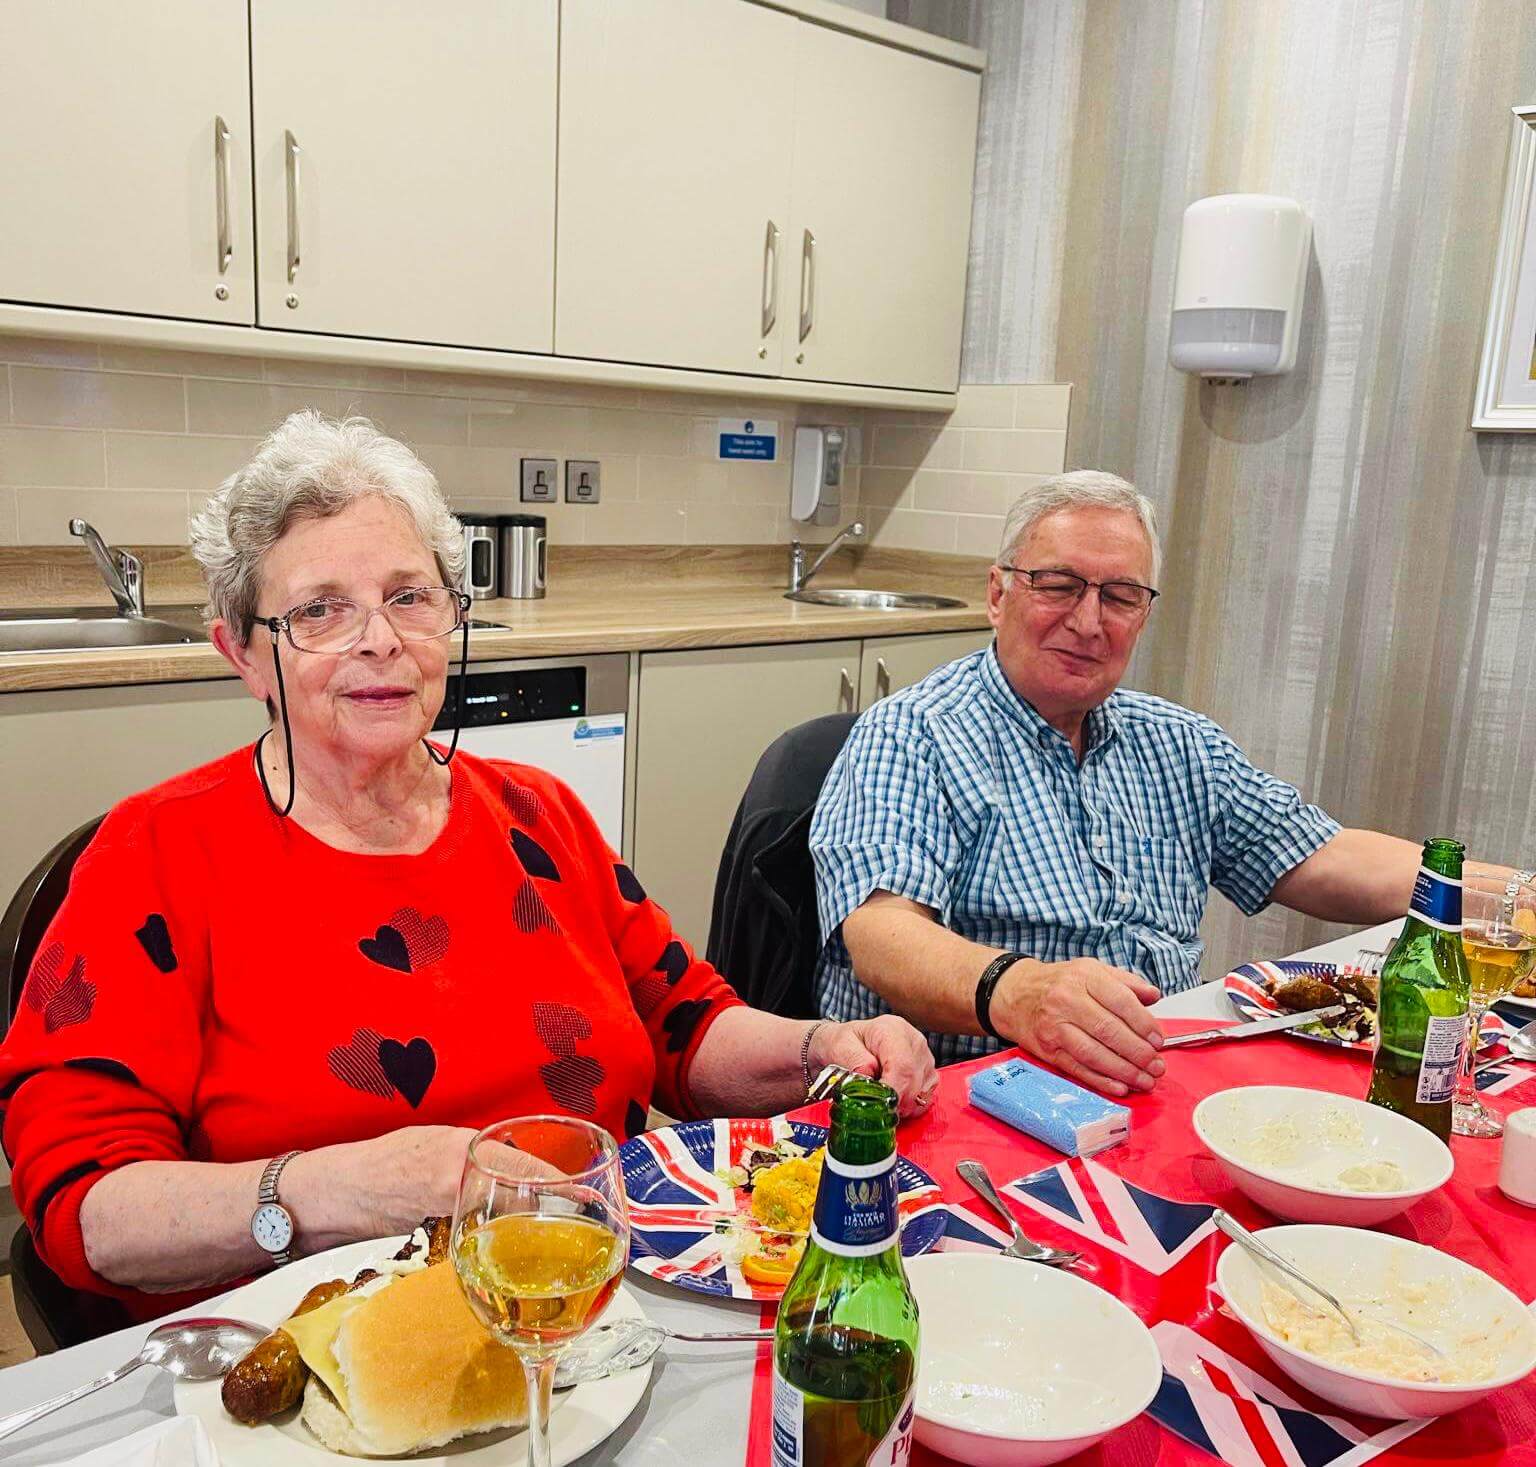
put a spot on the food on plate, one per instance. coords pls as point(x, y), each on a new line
point(402, 1364)
point(1381, 1349)
point(780, 1181)
point(784, 1196)
point(1356, 991)
point(1374, 1176)
point(1311, 1154)
point(272, 1377)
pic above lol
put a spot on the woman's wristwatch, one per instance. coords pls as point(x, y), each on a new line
point(272, 1223)
point(986, 986)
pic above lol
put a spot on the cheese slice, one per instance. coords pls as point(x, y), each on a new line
point(315, 1335)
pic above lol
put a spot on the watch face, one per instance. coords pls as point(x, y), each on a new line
point(272, 1227)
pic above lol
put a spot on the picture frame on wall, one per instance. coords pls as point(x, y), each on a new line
point(1506, 381)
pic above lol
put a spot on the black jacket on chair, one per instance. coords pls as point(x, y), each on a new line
point(764, 934)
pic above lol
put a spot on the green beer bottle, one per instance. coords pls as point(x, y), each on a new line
point(845, 1349)
point(1422, 1014)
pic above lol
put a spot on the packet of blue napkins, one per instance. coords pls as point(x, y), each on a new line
point(1073, 1120)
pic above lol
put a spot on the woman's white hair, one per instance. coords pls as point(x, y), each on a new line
point(311, 467)
point(1081, 489)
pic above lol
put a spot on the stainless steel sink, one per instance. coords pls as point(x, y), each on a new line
point(90, 631)
point(873, 600)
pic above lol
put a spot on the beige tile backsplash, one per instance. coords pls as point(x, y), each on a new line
point(946, 485)
point(134, 439)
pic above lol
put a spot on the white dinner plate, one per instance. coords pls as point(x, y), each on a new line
point(580, 1419)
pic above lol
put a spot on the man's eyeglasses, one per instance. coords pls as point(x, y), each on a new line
point(332, 624)
point(1063, 588)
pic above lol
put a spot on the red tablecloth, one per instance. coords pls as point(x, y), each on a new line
point(1153, 1246)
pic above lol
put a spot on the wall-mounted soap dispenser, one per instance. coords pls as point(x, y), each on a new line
point(816, 477)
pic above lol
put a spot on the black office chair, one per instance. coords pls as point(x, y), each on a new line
point(54, 1315)
point(764, 934)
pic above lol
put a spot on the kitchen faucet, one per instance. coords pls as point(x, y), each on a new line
point(123, 573)
point(799, 577)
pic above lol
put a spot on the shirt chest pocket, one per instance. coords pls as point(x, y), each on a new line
point(1152, 872)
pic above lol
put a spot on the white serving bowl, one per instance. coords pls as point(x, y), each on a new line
point(1354, 1264)
point(1020, 1364)
point(1337, 1132)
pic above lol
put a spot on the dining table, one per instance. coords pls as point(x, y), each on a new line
point(1141, 1213)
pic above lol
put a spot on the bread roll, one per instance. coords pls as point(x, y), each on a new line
point(418, 1369)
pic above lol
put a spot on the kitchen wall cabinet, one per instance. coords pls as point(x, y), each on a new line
point(704, 720)
point(774, 192)
point(126, 166)
point(68, 756)
point(746, 191)
point(674, 182)
point(888, 664)
point(405, 169)
point(880, 225)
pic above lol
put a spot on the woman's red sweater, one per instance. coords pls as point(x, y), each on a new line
point(220, 986)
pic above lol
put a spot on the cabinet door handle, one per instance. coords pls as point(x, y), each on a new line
point(845, 692)
point(291, 166)
point(770, 278)
point(882, 678)
point(221, 191)
point(807, 284)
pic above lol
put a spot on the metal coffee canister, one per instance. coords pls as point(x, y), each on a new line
point(480, 555)
point(524, 547)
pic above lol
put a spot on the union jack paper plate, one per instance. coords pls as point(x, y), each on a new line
point(1247, 993)
point(676, 1202)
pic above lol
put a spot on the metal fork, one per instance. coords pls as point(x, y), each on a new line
point(1021, 1247)
point(829, 1082)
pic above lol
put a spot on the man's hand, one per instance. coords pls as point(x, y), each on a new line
point(887, 1049)
point(1087, 1019)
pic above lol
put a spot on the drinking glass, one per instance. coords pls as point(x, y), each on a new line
point(540, 1238)
point(1498, 937)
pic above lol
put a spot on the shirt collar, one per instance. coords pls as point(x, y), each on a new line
point(1101, 725)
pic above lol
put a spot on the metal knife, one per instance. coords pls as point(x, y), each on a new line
point(1258, 1026)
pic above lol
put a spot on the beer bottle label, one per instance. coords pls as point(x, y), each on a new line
point(1442, 1058)
point(855, 1214)
point(893, 1450)
point(1436, 900)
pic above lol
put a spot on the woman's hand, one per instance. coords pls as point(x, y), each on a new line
point(888, 1049)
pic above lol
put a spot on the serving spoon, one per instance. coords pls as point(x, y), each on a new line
point(1260, 1249)
point(189, 1349)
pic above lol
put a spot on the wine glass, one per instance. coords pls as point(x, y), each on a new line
point(1498, 937)
point(540, 1238)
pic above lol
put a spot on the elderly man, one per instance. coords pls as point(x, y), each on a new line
point(1013, 850)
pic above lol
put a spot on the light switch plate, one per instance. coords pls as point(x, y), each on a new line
point(539, 486)
point(583, 481)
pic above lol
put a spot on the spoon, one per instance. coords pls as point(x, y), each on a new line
point(1260, 1249)
point(1521, 1045)
point(1022, 1246)
point(190, 1349)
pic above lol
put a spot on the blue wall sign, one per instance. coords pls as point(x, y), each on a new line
point(754, 438)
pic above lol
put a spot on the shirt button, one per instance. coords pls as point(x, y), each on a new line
point(1099, 842)
point(1123, 896)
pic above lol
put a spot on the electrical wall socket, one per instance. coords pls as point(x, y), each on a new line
point(539, 485)
point(583, 481)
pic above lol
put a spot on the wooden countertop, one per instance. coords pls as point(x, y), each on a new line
point(646, 598)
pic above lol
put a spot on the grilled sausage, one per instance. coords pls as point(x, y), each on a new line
point(1300, 994)
point(267, 1381)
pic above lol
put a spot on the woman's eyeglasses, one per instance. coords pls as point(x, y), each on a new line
point(332, 624)
point(1063, 588)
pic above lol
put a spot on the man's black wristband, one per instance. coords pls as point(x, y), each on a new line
point(986, 985)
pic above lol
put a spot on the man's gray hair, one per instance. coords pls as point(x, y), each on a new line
point(311, 467)
point(1081, 489)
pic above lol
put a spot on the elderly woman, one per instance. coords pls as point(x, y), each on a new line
point(306, 972)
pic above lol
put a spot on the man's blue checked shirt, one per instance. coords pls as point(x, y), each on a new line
point(955, 793)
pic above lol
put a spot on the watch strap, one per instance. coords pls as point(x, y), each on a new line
point(266, 1194)
point(986, 986)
